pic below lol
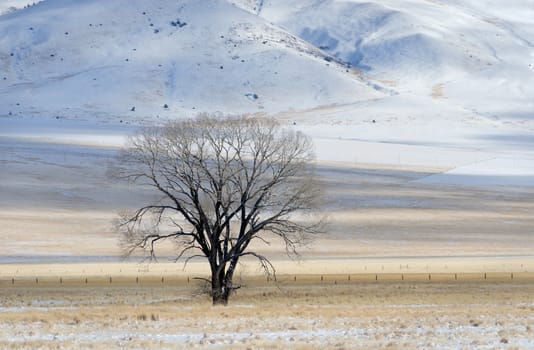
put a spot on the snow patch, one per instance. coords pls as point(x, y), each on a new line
point(492, 172)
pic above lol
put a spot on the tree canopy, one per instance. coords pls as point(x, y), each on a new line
point(224, 183)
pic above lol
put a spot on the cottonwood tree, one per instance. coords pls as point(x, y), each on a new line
point(224, 183)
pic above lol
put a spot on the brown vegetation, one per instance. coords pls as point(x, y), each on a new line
point(300, 316)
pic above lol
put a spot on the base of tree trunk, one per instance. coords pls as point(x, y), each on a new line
point(220, 298)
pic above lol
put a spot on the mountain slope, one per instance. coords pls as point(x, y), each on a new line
point(480, 55)
point(79, 59)
point(427, 72)
point(70, 58)
point(7, 6)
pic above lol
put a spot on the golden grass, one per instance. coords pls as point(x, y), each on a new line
point(287, 315)
point(129, 272)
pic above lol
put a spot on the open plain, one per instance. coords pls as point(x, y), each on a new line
point(302, 315)
point(404, 264)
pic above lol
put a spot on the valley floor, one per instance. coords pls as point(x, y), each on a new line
point(398, 222)
point(408, 315)
point(57, 201)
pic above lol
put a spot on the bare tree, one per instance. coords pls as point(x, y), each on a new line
point(224, 182)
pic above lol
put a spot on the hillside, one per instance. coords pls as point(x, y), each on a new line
point(7, 6)
point(454, 75)
point(77, 59)
point(72, 59)
point(479, 55)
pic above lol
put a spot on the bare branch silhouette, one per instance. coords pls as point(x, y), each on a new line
point(224, 182)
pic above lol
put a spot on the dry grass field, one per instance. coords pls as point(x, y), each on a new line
point(302, 315)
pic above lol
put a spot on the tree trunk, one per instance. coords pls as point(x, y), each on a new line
point(221, 283)
point(220, 291)
point(220, 295)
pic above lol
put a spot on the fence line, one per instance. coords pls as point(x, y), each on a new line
point(121, 280)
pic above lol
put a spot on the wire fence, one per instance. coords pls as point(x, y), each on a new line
point(332, 279)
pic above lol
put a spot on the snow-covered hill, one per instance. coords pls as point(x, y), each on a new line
point(7, 6)
point(130, 59)
point(133, 58)
point(414, 82)
point(479, 54)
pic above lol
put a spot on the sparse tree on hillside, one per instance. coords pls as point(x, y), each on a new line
point(224, 183)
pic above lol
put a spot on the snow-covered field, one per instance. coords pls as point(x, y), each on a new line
point(300, 316)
